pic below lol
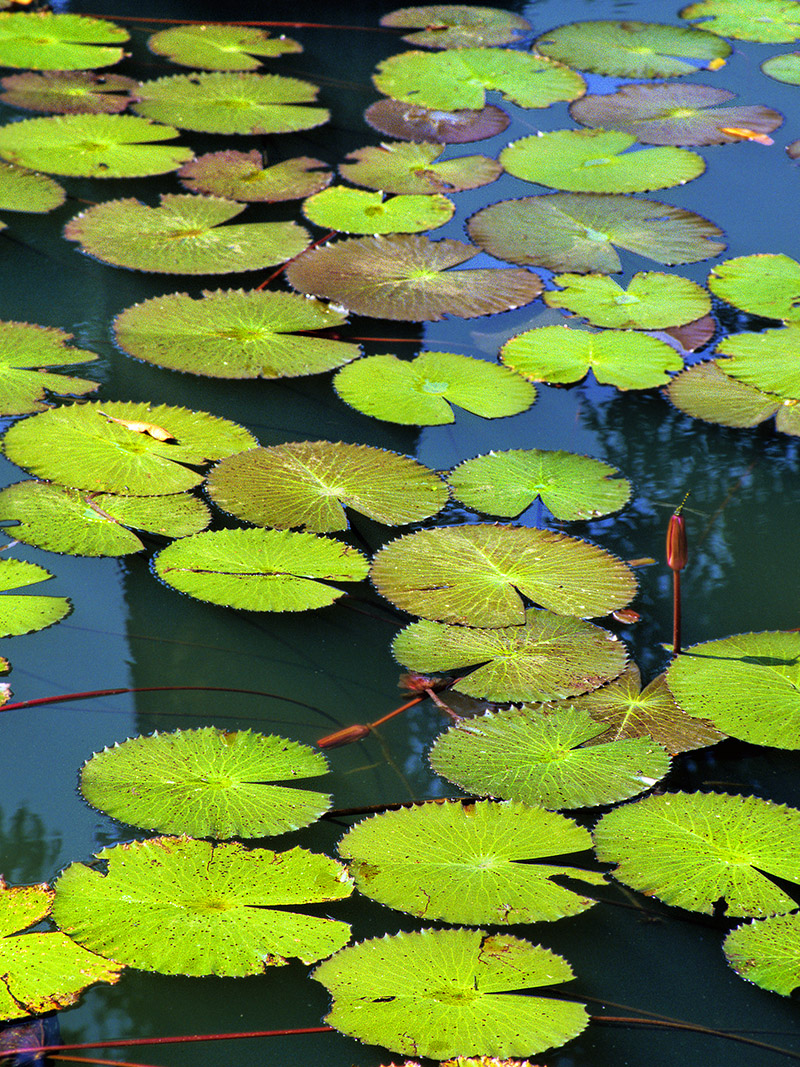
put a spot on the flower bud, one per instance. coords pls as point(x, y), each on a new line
point(344, 737)
point(677, 550)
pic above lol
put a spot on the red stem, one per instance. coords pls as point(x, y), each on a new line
point(283, 25)
point(132, 1042)
point(283, 266)
point(676, 611)
point(91, 693)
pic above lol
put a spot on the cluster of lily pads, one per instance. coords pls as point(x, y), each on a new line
point(502, 608)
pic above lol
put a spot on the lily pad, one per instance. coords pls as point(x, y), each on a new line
point(308, 484)
point(407, 276)
point(693, 849)
point(785, 68)
point(652, 301)
point(68, 92)
point(419, 392)
point(231, 103)
point(42, 40)
point(234, 334)
point(207, 783)
point(578, 232)
point(359, 211)
point(24, 349)
point(457, 25)
point(478, 575)
point(768, 21)
point(763, 284)
point(185, 235)
point(767, 952)
point(179, 906)
point(547, 657)
point(459, 126)
point(570, 487)
point(243, 176)
point(219, 47)
point(592, 161)
point(704, 391)
point(543, 759)
point(24, 614)
point(123, 447)
point(442, 993)
point(469, 863)
point(400, 167)
point(260, 570)
point(92, 146)
point(21, 190)
point(770, 360)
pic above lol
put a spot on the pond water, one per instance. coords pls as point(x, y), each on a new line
point(334, 667)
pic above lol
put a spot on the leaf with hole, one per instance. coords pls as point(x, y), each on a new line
point(43, 40)
point(25, 614)
point(399, 167)
point(25, 350)
point(358, 211)
point(652, 300)
point(458, 126)
point(243, 176)
point(457, 25)
point(219, 47)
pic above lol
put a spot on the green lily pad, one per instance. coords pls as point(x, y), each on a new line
point(20, 190)
point(443, 993)
point(542, 758)
point(207, 783)
point(457, 25)
point(632, 49)
point(578, 231)
point(767, 952)
point(24, 349)
point(592, 161)
point(785, 68)
point(219, 47)
point(179, 906)
point(25, 614)
point(185, 235)
point(768, 360)
point(419, 392)
point(400, 167)
point(683, 114)
point(68, 92)
point(624, 358)
point(359, 211)
point(691, 849)
point(84, 523)
point(477, 575)
point(46, 41)
point(260, 570)
point(231, 103)
point(763, 284)
point(570, 487)
point(460, 78)
point(652, 301)
point(123, 447)
point(458, 126)
point(768, 21)
point(469, 863)
point(309, 484)
point(243, 176)
point(407, 276)
point(43, 971)
point(747, 685)
point(704, 391)
point(547, 657)
point(234, 334)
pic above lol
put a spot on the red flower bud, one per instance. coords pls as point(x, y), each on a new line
point(344, 737)
point(677, 549)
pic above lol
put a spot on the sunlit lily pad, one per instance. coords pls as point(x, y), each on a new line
point(397, 119)
point(400, 167)
point(243, 176)
point(185, 235)
point(682, 114)
point(234, 334)
point(632, 49)
point(46, 41)
point(219, 47)
point(231, 103)
point(548, 657)
point(309, 483)
point(469, 863)
point(770, 360)
point(123, 447)
point(260, 570)
point(68, 92)
point(406, 276)
point(179, 906)
point(358, 211)
point(207, 783)
point(769, 21)
point(542, 759)
point(419, 392)
point(460, 78)
point(442, 993)
point(569, 486)
point(704, 391)
point(24, 614)
point(767, 952)
point(21, 190)
point(765, 284)
point(785, 68)
point(652, 300)
point(477, 575)
point(457, 25)
point(691, 849)
point(24, 348)
point(578, 231)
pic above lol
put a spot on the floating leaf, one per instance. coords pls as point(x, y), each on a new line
point(231, 103)
point(405, 276)
point(477, 575)
point(234, 334)
point(24, 614)
point(397, 119)
point(652, 300)
point(469, 863)
point(398, 167)
point(20, 190)
point(542, 758)
point(219, 47)
point(691, 849)
point(67, 92)
point(577, 231)
point(704, 391)
point(460, 78)
point(359, 211)
point(179, 906)
point(632, 49)
point(185, 235)
point(591, 161)
point(768, 360)
point(569, 486)
point(46, 41)
point(441, 993)
point(24, 348)
point(547, 657)
point(90, 447)
point(243, 176)
point(767, 952)
point(769, 21)
point(309, 484)
point(763, 284)
point(419, 392)
point(260, 570)
point(457, 25)
point(785, 68)
point(207, 783)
